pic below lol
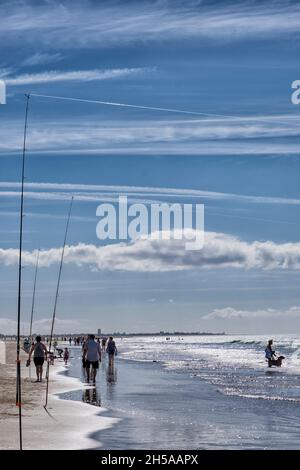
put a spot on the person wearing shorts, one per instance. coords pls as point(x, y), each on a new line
point(39, 351)
point(91, 357)
point(111, 350)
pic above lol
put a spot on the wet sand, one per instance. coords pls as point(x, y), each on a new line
point(161, 408)
point(67, 424)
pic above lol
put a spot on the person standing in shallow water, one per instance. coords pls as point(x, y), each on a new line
point(270, 352)
point(91, 357)
point(39, 352)
point(111, 350)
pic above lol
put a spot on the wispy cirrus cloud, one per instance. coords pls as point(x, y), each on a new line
point(94, 192)
point(247, 135)
point(41, 58)
point(67, 24)
point(79, 197)
point(73, 75)
point(5, 71)
point(148, 255)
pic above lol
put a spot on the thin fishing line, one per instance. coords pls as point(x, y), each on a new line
point(56, 298)
point(154, 108)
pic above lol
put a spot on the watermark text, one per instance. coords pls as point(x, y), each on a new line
point(157, 221)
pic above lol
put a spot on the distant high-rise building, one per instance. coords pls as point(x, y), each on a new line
point(99, 332)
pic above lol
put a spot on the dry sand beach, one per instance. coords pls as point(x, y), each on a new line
point(67, 425)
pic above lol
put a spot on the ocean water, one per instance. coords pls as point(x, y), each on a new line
point(235, 365)
point(197, 392)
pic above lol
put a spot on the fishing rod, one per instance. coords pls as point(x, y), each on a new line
point(56, 299)
point(33, 295)
point(33, 303)
point(18, 381)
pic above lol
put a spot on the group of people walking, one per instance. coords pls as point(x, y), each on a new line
point(91, 355)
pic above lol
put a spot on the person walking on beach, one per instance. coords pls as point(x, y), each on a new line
point(111, 350)
point(92, 357)
point(270, 353)
point(103, 344)
point(83, 356)
point(39, 351)
point(66, 356)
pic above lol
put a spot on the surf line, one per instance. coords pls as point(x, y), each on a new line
point(18, 361)
point(56, 299)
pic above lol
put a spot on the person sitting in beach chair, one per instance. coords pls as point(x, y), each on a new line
point(26, 345)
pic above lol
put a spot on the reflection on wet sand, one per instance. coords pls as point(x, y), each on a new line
point(91, 396)
point(111, 375)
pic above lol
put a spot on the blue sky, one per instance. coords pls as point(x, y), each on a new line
point(232, 59)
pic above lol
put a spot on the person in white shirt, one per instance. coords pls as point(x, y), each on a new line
point(92, 357)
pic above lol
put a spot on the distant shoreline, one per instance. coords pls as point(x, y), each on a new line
point(166, 333)
point(126, 335)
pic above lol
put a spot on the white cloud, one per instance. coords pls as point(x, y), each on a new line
point(148, 255)
point(40, 58)
point(73, 75)
point(69, 24)
point(229, 313)
point(4, 72)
